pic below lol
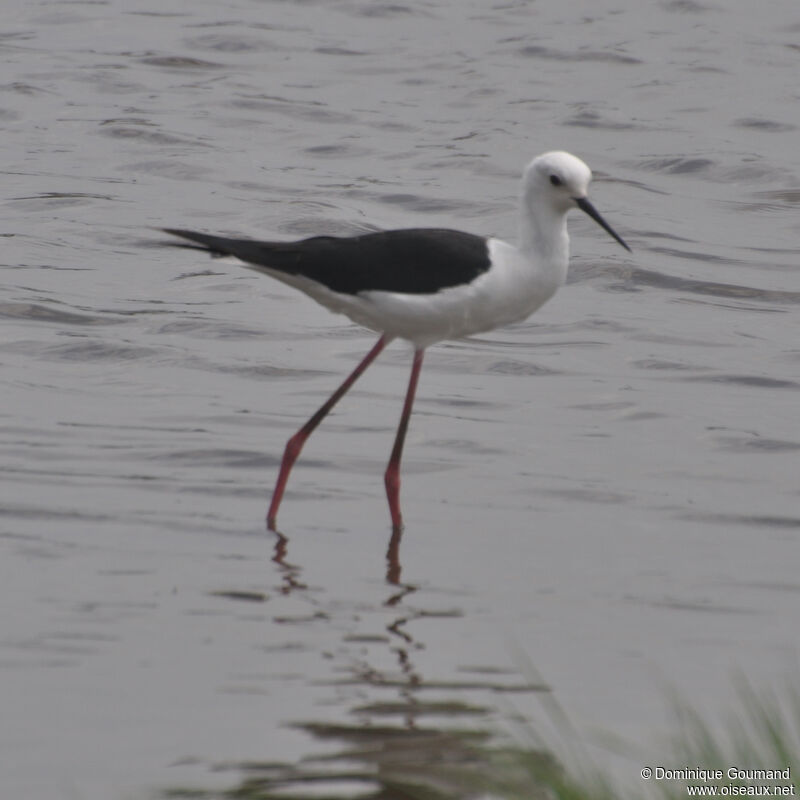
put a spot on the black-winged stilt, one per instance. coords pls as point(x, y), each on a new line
point(425, 284)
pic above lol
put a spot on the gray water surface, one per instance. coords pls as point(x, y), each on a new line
point(610, 489)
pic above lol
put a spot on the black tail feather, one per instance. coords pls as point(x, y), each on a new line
point(215, 245)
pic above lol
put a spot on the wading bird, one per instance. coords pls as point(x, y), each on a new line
point(424, 284)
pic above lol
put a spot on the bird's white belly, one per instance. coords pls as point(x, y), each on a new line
point(508, 292)
point(449, 314)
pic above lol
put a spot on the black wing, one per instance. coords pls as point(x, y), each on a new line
point(411, 261)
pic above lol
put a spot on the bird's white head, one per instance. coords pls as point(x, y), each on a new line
point(557, 178)
point(552, 184)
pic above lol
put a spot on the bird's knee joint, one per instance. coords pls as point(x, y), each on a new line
point(392, 480)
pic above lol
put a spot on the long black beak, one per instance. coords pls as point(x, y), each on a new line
point(584, 205)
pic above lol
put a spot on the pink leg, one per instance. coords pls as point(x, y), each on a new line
point(295, 444)
point(392, 476)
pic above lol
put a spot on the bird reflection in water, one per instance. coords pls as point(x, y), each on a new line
point(290, 573)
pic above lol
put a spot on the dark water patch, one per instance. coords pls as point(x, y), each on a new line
point(583, 495)
point(482, 363)
point(323, 226)
point(227, 489)
point(308, 112)
point(702, 606)
point(110, 81)
point(485, 669)
point(394, 127)
point(174, 169)
point(138, 131)
point(599, 56)
point(384, 10)
point(684, 7)
point(746, 171)
point(94, 351)
point(33, 312)
point(633, 278)
point(52, 475)
point(200, 273)
point(206, 329)
point(82, 350)
point(179, 62)
point(662, 364)
point(491, 341)
point(142, 312)
point(461, 403)
point(339, 150)
point(765, 206)
point(135, 430)
point(339, 51)
point(610, 405)
point(258, 371)
point(221, 457)
point(692, 255)
point(676, 165)
point(240, 595)
point(230, 44)
point(262, 189)
point(52, 514)
point(279, 98)
point(22, 435)
point(591, 119)
point(765, 125)
point(157, 14)
point(748, 520)
point(370, 466)
point(83, 636)
point(782, 196)
point(48, 644)
point(17, 36)
point(651, 234)
point(327, 149)
point(51, 200)
point(772, 586)
point(757, 444)
point(733, 306)
point(469, 447)
point(639, 416)
point(66, 196)
point(421, 205)
point(509, 367)
point(757, 381)
point(605, 325)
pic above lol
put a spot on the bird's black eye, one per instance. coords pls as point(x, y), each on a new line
point(555, 180)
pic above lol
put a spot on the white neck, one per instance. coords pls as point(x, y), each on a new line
point(543, 237)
